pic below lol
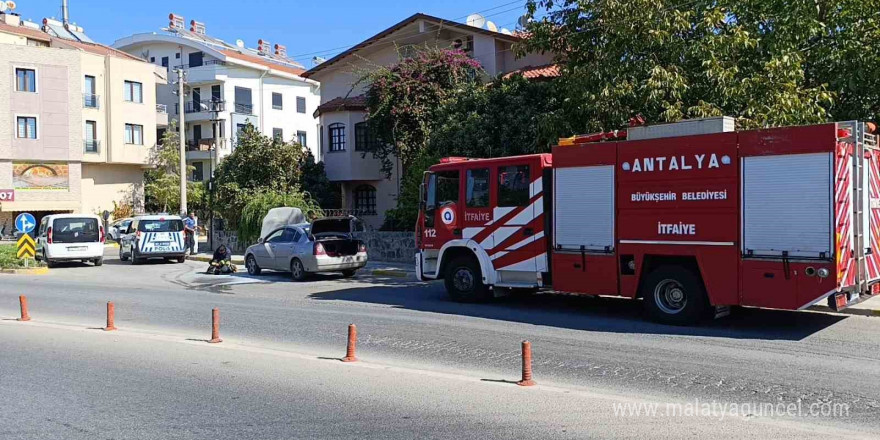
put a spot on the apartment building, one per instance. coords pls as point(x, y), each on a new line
point(366, 190)
point(79, 123)
point(226, 87)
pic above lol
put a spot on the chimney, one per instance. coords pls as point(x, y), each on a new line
point(65, 14)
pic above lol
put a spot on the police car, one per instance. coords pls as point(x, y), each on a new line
point(153, 236)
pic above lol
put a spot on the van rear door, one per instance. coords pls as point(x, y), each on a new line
point(74, 237)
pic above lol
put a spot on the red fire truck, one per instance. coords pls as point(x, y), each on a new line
point(692, 217)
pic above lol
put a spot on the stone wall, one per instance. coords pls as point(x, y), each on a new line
point(390, 247)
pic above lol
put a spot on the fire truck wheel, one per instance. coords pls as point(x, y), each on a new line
point(464, 281)
point(674, 295)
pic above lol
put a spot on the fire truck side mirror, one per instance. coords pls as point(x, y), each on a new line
point(422, 196)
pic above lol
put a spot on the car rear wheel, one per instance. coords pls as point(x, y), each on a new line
point(99, 261)
point(674, 295)
point(181, 259)
point(464, 281)
point(252, 267)
point(49, 263)
point(122, 256)
point(297, 270)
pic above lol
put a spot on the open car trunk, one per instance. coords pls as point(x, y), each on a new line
point(335, 235)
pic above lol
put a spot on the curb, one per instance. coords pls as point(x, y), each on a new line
point(857, 312)
point(35, 271)
point(390, 273)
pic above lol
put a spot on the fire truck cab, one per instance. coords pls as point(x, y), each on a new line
point(692, 217)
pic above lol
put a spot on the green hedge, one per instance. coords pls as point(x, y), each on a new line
point(8, 259)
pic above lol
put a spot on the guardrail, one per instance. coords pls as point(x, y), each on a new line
point(91, 146)
point(90, 100)
point(161, 108)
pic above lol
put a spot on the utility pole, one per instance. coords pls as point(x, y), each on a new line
point(181, 79)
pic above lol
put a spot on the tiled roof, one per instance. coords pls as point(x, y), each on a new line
point(26, 32)
point(342, 104)
point(98, 49)
point(418, 16)
point(262, 62)
point(547, 71)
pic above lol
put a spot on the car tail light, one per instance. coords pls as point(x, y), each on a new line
point(362, 248)
point(49, 235)
point(101, 233)
point(138, 235)
point(319, 249)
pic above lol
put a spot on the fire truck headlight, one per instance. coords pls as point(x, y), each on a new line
point(631, 265)
point(823, 273)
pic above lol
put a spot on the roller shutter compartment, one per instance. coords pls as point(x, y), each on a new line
point(584, 208)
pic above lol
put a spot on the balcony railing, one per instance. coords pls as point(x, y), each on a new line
point(204, 144)
point(161, 108)
point(90, 100)
point(247, 109)
point(91, 146)
point(347, 212)
point(204, 63)
point(202, 106)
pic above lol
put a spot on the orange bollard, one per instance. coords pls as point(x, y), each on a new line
point(352, 344)
point(215, 326)
point(24, 311)
point(111, 311)
point(526, 365)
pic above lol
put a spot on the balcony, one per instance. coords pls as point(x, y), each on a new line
point(247, 109)
point(202, 148)
point(90, 100)
point(202, 106)
point(161, 115)
point(91, 146)
point(204, 73)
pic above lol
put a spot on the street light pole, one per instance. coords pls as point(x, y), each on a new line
point(181, 78)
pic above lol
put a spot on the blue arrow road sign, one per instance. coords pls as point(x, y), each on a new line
point(25, 223)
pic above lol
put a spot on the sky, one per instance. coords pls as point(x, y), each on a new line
point(307, 27)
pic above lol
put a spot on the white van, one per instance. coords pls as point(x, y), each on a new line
point(70, 237)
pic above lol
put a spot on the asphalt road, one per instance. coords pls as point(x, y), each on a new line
point(600, 345)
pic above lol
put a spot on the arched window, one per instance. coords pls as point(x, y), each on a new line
point(336, 135)
point(365, 200)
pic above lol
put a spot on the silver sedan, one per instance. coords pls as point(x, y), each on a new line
point(294, 249)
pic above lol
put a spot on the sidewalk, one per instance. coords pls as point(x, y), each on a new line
point(869, 307)
point(376, 268)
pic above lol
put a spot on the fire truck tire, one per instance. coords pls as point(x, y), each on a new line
point(674, 295)
point(464, 281)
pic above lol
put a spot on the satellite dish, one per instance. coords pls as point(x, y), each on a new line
point(523, 21)
point(476, 20)
point(10, 4)
point(318, 60)
point(506, 31)
point(239, 43)
point(491, 26)
point(3, 6)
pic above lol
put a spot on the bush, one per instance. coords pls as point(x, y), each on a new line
point(8, 260)
point(251, 220)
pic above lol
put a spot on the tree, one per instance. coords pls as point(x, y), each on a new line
point(765, 62)
point(260, 174)
point(162, 181)
point(315, 182)
point(402, 100)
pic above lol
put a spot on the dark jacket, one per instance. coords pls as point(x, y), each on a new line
point(222, 254)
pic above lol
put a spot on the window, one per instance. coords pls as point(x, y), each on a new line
point(165, 62)
point(243, 102)
point(91, 136)
point(364, 139)
point(177, 55)
point(90, 99)
point(152, 59)
point(277, 102)
point(197, 133)
point(284, 235)
point(297, 236)
point(195, 59)
point(134, 92)
point(513, 185)
point(365, 200)
point(134, 134)
point(301, 138)
point(198, 173)
point(239, 128)
point(196, 98)
point(215, 93)
point(26, 80)
point(447, 188)
point(336, 133)
point(477, 190)
point(300, 104)
point(27, 127)
point(278, 134)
